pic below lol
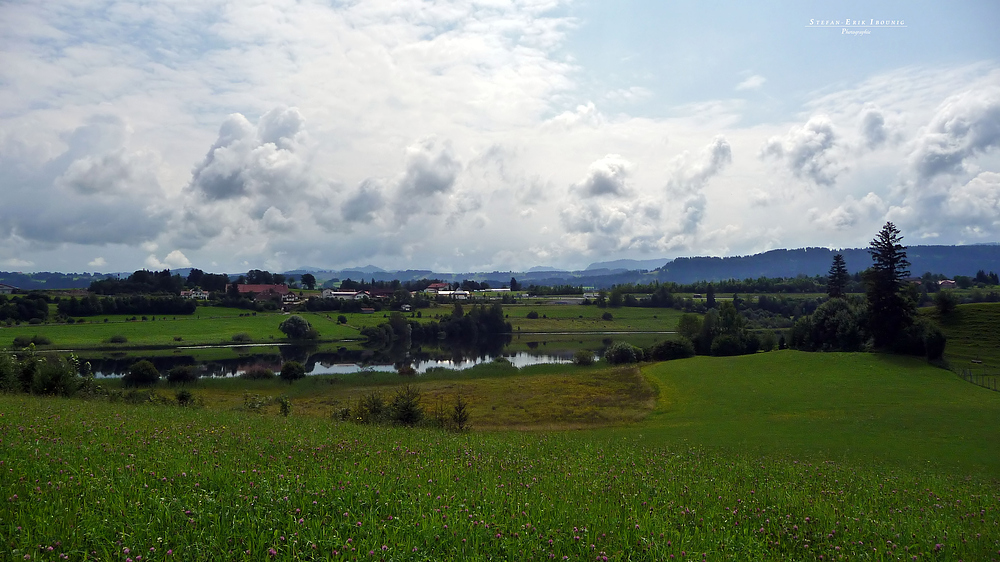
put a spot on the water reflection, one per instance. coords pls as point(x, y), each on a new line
point(327, 360)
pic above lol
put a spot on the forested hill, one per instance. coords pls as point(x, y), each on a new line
point(947, 260)
point(950, 261)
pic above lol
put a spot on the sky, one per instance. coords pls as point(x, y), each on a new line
point(488, 135)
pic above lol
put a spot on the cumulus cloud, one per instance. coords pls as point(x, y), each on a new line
point(606, 177)
point(809, 152)
point(249, 161)
point(97, 190)
point(431, 170)
point(98, 262)
point(873, 129)
point(685, 188)
point(965, 125)
point(751, 83)
point(850, 213)
point(174, 260)
point(977, 202)
point(363, 204)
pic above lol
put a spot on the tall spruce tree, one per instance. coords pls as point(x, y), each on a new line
point(836, 285)
point(889, 311)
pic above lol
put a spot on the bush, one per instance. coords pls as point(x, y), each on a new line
point(257, 372)
point(184, 398)
point(934, 342)
point(182, 374)
point(56, 376)
point(405, 407)
point(607, 316)
point(341, 319)
point(22, 342)
point(296, 327)
point(141, 373)
point(532, 315)
point(460, 414)
point(242, 337)
point(727, 345)
point(118, 339)
point(620, 353)
point(370, 408)
point(671, 349)
point(292, 371)
point(583, 358)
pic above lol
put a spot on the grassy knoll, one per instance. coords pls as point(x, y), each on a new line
point(100, 481)
point(973, 334)
point(837, 406)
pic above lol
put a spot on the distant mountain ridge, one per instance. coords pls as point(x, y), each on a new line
point(948, 260)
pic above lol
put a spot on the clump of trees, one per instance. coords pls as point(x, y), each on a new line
point(296, 327)
point(884, 319)
point(481, 321)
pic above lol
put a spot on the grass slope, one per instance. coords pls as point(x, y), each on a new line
point(837, 406)
point(100, 481)
point(973, 332)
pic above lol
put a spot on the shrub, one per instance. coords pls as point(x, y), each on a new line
point(406, 370)
point(934, 342)
point(583, 358)
point(671, 349)
point(56, 376)
point(284, 405)
point(184, 397)
point(21, 342)
point(118, 338)
point(370, 408)
point(341, 319)
point(607, 316)
point(621, 353)
point(460, 414)
point(405, 407)
point(292, 371)
point(141, 373)
point(532, 315)
point(9, 371)
point(182, 374)
point(295, 327)
point(242, 337)
point(257, 372)
point(39, 339)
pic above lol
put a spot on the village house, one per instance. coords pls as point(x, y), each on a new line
point(947, 284)
point(7, 289)
point(263, 292)
point(435, 288)
point(196, 294)
point(344, 295)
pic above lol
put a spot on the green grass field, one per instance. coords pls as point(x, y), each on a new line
point(973, 334)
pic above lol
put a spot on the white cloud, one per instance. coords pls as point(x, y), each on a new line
point(751, 83)
point(98, 262)
point(808, 151)
point(964, 126)
point(606, 177)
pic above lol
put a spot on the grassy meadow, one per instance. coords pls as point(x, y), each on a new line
point(774, 456)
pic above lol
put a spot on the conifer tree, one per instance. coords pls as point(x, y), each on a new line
point(837, 278)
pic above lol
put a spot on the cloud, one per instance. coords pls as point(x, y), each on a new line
point(850, 213)
point(606, 177)
point(873, 130)
point(629, 95)
point(685, 188)
point(430, 172)
point(96, 190)
point(97, 262)
point(254, 161)
point(363, 205)
point(977, 203)
point(964, 126)
point(751, 83)
point(174, 260)
point(807, 151)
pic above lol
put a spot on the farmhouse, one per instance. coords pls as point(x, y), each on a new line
point(264, 292)
point(435, 288)
point(6, 289)
point(458, 295)
point(947, 284)
point(196, 294)
point(344, 295)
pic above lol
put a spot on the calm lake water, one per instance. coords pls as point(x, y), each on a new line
point(521, 350)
